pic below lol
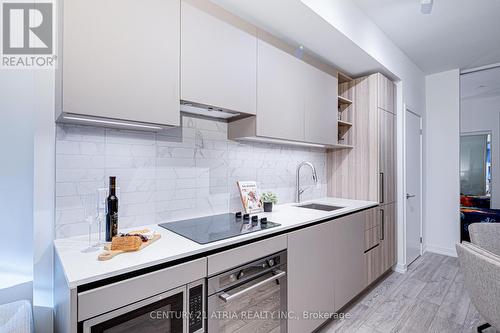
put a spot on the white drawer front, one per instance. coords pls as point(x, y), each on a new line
point(110, 297)
point(241, 255)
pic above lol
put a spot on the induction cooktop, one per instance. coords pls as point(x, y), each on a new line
point(208, 229)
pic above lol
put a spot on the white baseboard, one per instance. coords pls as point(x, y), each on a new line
point(43, 319)
point(451, 252)
point(400, 268)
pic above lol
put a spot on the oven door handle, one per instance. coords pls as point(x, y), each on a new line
point(278, 274)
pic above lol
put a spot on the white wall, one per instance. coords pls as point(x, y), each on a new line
point(483, 114)
point(44, 197)
point(16, 174)
point(27, 181)
point(441, 222)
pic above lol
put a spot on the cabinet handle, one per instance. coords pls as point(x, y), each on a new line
point(382, 224)
point(277, 274)
point(382, 199)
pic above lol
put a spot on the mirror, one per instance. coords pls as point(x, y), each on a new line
point(475, 165)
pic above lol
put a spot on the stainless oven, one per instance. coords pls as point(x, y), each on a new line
point(250, 298)
point(176, 311)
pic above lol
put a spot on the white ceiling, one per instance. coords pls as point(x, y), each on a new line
point(480, 84)
point(294, 22)
point(458, 33)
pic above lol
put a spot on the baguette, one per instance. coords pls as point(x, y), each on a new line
point(126, 243)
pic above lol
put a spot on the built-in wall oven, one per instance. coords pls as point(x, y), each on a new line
point(250, 298)
point(180, 310)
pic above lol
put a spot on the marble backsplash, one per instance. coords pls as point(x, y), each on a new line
point(181, 173)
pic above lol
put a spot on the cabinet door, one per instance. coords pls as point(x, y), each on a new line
point(388, 242)
point(218, 58)
point(386, 94)
point(373, 263)
point(280, 95)
point(387, 159)
point(372, 249)
point(348, 256)
point(121, 59)
point(320, 119)
point(310, 275)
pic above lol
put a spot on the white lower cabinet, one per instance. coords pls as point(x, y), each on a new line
point(310, 276)
point(327, 267)
point(348, 257)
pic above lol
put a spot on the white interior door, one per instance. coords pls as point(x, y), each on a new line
point(413, 186)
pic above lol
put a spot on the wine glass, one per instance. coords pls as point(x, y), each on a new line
point(89, 202)
point(102, 195)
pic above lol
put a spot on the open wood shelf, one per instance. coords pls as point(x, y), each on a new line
point(343, 129)
point(344, 101)
point(344, 123)
point(345, 108)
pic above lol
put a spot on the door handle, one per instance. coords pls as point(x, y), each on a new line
point(278, 274)
point(382, 224)
point(382, 187)
point(408, 196)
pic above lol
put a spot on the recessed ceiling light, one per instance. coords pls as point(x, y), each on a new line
point(426, 6)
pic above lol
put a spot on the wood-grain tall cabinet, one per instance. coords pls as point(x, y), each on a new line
point(386, 108)
point(368, 171)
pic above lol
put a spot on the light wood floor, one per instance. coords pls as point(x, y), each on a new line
point(430, 297)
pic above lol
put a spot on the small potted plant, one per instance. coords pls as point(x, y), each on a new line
point(268, 199)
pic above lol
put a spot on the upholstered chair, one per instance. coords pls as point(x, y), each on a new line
point(481, 271)
point(16, 317)
point(486, 236)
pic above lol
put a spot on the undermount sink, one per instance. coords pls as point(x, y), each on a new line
point(318, 206)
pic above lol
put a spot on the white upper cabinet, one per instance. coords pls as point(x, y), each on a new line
point(320, 121)
point(120, 60)
point(218, 58)
point(280, 95)
point(295, 100)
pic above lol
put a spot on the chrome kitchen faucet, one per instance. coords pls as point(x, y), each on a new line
point(314, 177)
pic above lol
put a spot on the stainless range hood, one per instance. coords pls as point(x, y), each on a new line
point(209, 111)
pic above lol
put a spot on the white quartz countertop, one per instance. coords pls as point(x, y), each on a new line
point(82, 267)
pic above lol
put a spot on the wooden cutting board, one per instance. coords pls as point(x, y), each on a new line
point(108, 254)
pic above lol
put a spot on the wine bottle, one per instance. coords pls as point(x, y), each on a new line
point(111, 211)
